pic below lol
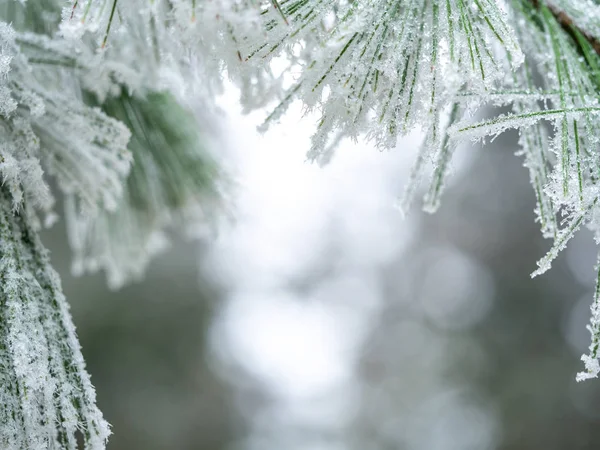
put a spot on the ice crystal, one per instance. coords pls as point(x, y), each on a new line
point(171, 183)
point(592, 366)
point(84, 148)
point(55, 97)
point(108, 92)
point(47, 400)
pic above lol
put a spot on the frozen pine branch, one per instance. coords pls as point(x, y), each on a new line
point(69, 114)
point(97, 96)
point(47, 398)
point(380, 68)
point(171, 183)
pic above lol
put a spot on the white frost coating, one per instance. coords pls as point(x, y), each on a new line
point(563, 166)
point(87, 154)
point(504, 122)
point(564, 236)
point(91, 147)
point(585, 13)
point(387, 66)
point(378, 68)
point(47, 397)
point(592, 366)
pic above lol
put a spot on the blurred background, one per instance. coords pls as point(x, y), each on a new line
point(320, 319)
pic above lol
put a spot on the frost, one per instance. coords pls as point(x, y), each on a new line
point(585, 13)
point(172, 183)
point(562, 164)
point(47, 397)
point(376, 67)
point(87, 153)
point(90, 88)
point(592, 365)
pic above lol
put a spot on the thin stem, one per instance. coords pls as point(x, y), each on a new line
point(110, 20)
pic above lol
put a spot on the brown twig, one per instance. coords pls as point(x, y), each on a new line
point(568, 24)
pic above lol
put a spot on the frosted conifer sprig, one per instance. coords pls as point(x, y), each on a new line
point(85, 139)
point(173, 182)
point(46, 397)
point(563, 164)
point(382, 67)
point(48, 125)
point(83, 148)
point(592, 366)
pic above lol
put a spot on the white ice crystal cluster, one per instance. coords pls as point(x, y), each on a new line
point(172, 182)
point(111, 82)
point(555, 106)
point(46, 398)
point(378, 68)
point(83, 117)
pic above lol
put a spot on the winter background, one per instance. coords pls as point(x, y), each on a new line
point(320, 319)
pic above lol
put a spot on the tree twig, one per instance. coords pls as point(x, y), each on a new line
point(568, 24)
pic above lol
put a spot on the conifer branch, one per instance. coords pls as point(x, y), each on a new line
point(377, 68)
